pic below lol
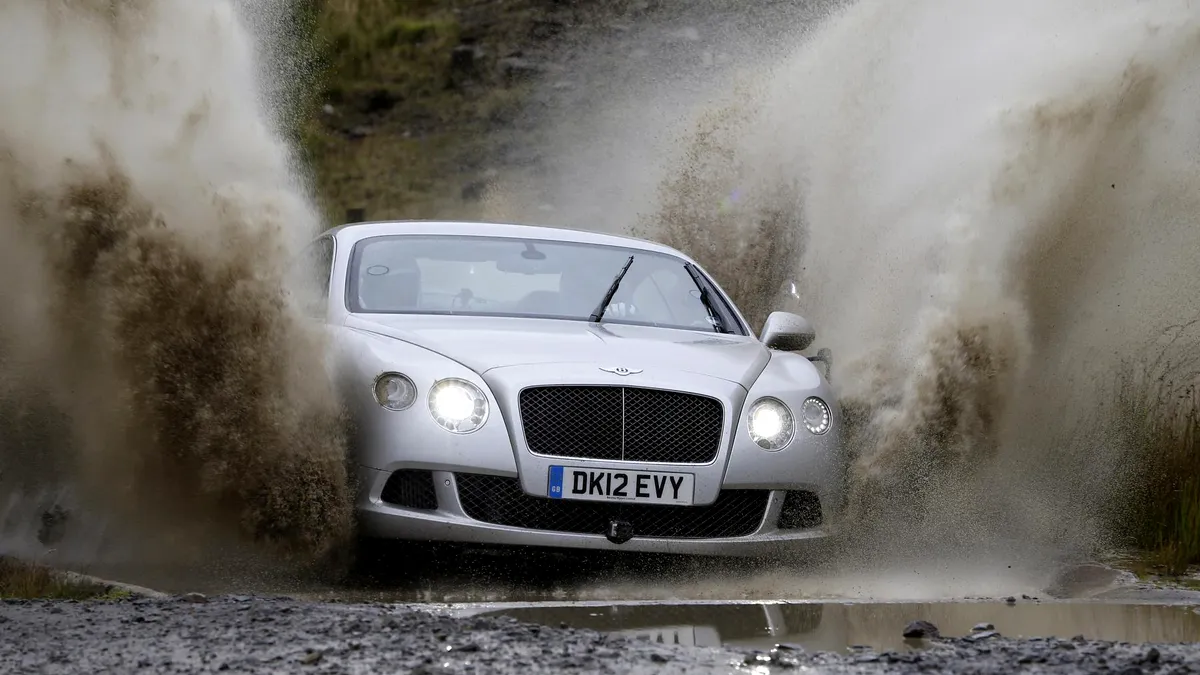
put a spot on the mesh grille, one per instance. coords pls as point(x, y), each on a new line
point(622, 423)
point(801, 510)
point(501, 501)
point(410, 488)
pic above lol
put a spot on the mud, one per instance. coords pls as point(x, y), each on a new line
point(157, 366)
point(439, 575)
point(988, 216)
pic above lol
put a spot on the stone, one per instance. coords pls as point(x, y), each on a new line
point(464, 58)
point(921, 629)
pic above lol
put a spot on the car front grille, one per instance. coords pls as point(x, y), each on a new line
point(410, 488)
point(621, 423)
point(801, 510)
point(501, 501)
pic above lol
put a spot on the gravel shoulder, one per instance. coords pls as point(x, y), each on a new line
point(260, 635)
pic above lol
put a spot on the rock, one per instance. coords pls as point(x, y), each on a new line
point(789, 647)
point(474, 190)
point(195, 597)
point(311, 658)
point(378, 100)
point(464, 58)
point(983, 626)
point(976, 637)
point(54, 525)
point(517, 68)
point(659, 658)
point(1152, 656)
point(1010, 600)
point(786, 655)
point(921, 629)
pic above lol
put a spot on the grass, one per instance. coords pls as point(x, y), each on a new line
point(407, 128)
point(27, 581)
point(1159, 510)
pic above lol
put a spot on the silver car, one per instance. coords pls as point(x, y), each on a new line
point(527, 385)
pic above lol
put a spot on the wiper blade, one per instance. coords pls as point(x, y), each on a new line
point(612, 290)
point(706, 299)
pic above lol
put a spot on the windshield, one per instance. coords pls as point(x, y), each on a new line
point(492, 276)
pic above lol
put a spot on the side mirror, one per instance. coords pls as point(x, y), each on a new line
point(787, 332)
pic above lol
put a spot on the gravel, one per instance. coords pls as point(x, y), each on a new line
point(239, 634)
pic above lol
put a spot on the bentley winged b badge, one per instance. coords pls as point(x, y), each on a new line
point(621, 370)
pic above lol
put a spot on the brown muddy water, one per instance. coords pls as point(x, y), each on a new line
point(835, 626)
point(819, 605)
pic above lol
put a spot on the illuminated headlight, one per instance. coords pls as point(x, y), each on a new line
point(771, 424)
point(395, 391)
point(816, 416)
point(459, 406)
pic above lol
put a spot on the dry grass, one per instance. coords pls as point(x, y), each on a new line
point(1158, 508)
point(27, 581)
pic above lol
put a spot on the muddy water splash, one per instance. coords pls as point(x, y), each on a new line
point(999, 203)
point(149, 216)
point(988, 206)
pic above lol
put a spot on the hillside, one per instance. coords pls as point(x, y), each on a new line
point(419, 98)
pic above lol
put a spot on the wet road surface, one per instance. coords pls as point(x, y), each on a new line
point(835, 626)
point(272, 635)
point(421, 575)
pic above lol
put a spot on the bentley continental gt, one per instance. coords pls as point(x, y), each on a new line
point(538, 386)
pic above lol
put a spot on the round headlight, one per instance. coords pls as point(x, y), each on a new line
point(395, 391)
point(459, 406)
point(771, 424)
point(816, 415)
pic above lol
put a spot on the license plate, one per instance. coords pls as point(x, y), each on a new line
point(609, 485)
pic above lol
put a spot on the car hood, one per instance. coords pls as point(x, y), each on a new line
point(486, 343)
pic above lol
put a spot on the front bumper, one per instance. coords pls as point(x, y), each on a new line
point(439, 507)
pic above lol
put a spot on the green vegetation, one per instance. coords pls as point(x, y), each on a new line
point(409, 121)
point(1159, 510)
point(23, 580)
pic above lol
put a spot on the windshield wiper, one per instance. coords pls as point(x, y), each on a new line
point(706, 299)
point(612, 290)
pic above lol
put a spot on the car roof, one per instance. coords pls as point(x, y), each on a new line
point(357, 231)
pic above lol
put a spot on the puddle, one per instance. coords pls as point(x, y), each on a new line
point(836, 626)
